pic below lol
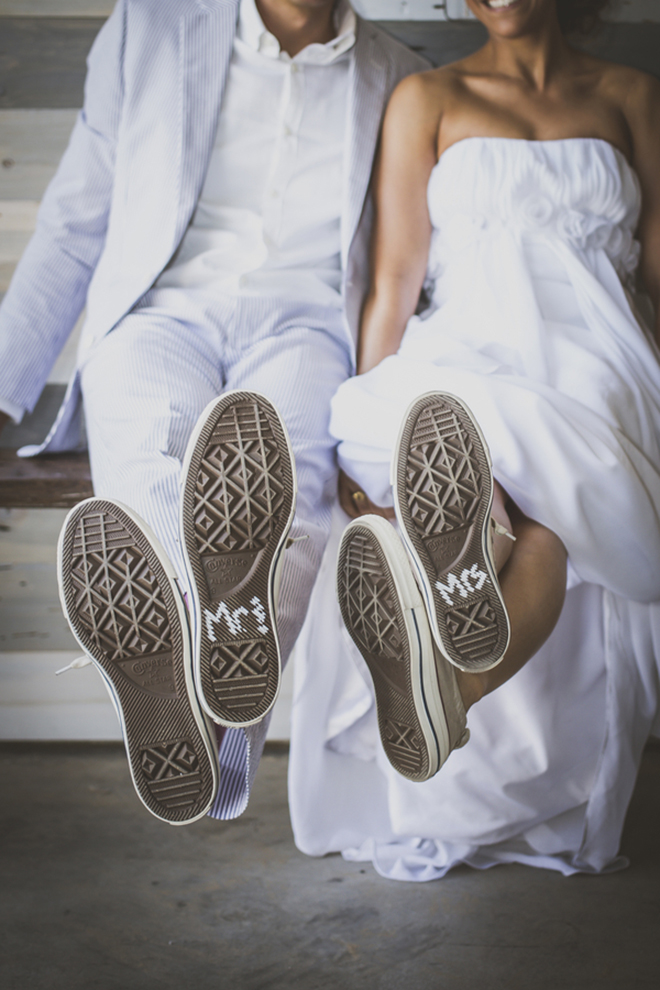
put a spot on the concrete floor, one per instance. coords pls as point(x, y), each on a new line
point(98, 894)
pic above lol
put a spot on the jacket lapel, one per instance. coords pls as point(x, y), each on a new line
point(367, 94)
point(207, 35)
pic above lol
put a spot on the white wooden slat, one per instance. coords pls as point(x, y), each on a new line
point(413, 10)
point(18, 214)
point(36, 704)
point(87, 721)
point(35, 641)
point(12, 245)
point(30, 613)
point(31, 145)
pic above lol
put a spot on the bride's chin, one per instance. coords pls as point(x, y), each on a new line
point(510, 17)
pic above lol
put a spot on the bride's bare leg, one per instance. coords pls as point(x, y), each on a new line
point(532, 573)
point(533, 584)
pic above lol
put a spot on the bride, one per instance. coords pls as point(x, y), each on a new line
point(509, 191)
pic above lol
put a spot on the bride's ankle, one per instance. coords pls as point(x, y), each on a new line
point(501, 533)
point(471, 686)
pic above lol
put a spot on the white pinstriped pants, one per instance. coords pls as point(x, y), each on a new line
point(146, 384)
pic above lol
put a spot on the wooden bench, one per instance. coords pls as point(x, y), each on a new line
point(54, 481)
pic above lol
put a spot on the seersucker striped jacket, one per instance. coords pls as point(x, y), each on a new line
point(128, 183)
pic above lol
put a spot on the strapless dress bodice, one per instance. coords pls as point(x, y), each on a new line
point(579, 191)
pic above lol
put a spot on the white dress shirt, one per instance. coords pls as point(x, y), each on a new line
point(267, 221)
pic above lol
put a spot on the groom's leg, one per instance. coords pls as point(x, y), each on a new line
point(144, 387)
point(298, 369)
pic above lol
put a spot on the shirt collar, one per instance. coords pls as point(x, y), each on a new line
point(251, 30)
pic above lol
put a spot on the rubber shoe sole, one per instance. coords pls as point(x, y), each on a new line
point(119, 593)
point(443, 491)
point(237, 507)
point(385, 616)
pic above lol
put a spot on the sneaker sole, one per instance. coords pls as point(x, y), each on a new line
point(443, 492)
point(119, 595)
point(237, 506)
point(384, 615)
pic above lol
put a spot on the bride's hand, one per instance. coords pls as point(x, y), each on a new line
point(355, 502)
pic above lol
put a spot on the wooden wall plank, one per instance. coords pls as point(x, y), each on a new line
point(47, 64)
point(31, 145)
point(56, 8)
point(47, 67)
point(30, 614)
point(627, 10)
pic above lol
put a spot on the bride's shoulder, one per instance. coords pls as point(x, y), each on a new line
point(619, 83)
point(429, 90)
point(636, 95)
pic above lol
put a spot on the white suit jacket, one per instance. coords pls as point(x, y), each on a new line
point(129, 181)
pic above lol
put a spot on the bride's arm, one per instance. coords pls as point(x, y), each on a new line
point(643, 116)
point(402, 230)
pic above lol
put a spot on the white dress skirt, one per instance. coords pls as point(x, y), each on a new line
point(533, 325)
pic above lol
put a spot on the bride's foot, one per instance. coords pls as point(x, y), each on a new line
point(443, 492)
point(421, 715)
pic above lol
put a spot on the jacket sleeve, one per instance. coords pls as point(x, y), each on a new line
point(49, 287)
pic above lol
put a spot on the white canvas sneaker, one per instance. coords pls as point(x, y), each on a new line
point(237, 507)
point(421, 716)
point(442, 485)
point(122, 600)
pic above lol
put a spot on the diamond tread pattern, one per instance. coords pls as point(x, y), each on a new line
point(237, 502)
point(444, 494)
point(121, 604)
point(372, 613)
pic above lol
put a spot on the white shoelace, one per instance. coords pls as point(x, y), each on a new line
point(75, 665)
point(502, 530)
point(295, 539)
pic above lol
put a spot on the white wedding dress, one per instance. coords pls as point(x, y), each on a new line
point(532, 322)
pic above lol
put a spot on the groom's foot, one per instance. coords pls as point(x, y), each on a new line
point(421, 716)
point(443, 489)
point(237, 506)
point(120, 596)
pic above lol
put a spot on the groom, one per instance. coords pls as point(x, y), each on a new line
point(211, 212)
